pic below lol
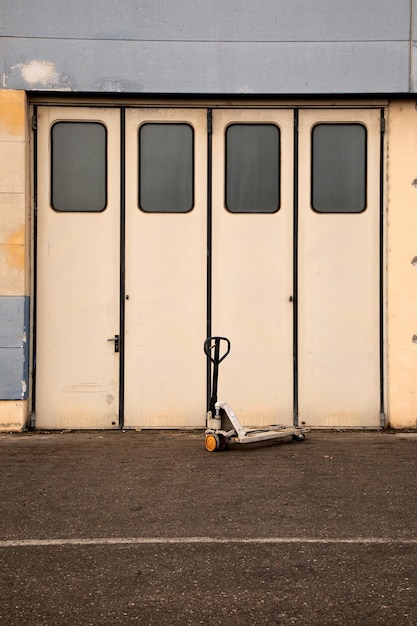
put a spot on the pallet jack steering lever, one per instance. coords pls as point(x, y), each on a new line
point(210, 344)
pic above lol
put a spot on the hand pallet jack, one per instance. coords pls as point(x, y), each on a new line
point(222, 424)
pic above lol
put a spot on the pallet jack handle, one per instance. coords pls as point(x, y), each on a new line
point(210, 344)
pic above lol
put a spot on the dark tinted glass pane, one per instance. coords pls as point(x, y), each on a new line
point(166, 168)
point(252, 168)
point(339, 168)
point(79, 169)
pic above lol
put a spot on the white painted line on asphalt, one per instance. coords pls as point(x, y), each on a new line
point(114, 541)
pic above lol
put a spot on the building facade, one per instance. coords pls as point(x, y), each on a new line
point(175, 170)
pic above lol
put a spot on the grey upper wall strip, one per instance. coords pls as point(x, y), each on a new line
point(213, 20)
point(414, 19)
point(233, 68)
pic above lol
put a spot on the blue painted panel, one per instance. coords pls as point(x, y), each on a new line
point(205, 68)
point(14, 347)
point(216, 20)
point(12, 320)
point(12, 383)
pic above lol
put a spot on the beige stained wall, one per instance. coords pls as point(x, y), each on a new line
point(14, 220)
point(402, 264)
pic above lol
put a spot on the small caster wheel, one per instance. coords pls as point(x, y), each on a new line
point(212, 442)
point(299, 437)
point(223, 443)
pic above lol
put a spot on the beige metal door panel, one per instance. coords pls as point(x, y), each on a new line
point(338, 292)
point(253, 283)
point(166, 291)
point(77, 292)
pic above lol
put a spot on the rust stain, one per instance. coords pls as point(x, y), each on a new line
point(15, 249)
point(15, 256)
point(16, 237)
point(12, 113)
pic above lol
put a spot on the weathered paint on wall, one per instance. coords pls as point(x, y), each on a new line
point(207, 68)
point(14, 361)
point(13, 415)
point(13, 197)
point(12, 116)
point(239, 46)
point(14, 270)
point(401, 270)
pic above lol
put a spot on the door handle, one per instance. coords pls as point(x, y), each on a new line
point(116, 342)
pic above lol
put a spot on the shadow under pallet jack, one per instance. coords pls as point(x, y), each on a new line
point(222, 424)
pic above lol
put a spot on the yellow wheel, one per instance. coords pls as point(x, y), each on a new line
point(212, 442)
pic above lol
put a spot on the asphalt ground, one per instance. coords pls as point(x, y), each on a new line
point(108, 528)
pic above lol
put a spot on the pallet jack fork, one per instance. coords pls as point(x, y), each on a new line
point(223, 426)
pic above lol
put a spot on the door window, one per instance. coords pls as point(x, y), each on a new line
point(166, 168)
point(252, 168)
point(79, 166)
point(338, 166)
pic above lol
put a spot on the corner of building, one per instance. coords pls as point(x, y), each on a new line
point(402, 264)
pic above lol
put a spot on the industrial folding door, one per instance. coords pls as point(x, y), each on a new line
point(252, 270)
point(78, 253)
point(338, 347)
point(166, 257)
point(91, 224)
point(296, 264)
point(158, 225)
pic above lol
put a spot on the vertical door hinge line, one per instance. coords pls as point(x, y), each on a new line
point(209, 247)
point(383, 418)
point(35, 266)
point(209, 121)
point(120, 338)
point(295, 265)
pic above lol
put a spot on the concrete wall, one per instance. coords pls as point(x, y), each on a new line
point(14, 254)
point(200, 47)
